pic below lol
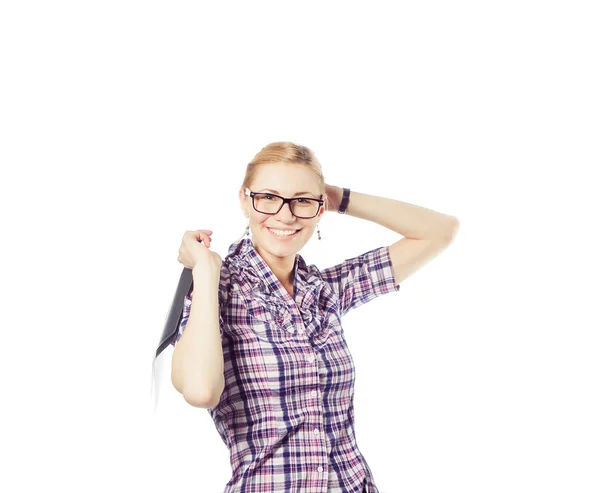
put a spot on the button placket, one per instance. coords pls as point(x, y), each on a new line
point(316, 431)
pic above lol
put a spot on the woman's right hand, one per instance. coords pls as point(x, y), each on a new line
point(194, 252)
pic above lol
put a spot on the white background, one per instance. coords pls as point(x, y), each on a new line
point(124, 123)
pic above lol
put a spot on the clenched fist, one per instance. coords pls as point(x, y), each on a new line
point(194, 252)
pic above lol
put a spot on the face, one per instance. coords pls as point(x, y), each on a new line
point(285, 180)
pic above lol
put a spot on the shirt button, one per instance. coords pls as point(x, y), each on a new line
point(314, 393)
point(320, 469)
point(311, 358)
point(300, 329)
point(316, 431)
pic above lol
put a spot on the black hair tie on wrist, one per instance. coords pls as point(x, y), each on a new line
point(345, 201)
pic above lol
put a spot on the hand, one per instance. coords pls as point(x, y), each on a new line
point(334, 194)
point(194, 252)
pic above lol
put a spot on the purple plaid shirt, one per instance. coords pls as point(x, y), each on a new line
point(286, 413)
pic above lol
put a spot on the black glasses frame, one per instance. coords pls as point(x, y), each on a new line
point(252, 194)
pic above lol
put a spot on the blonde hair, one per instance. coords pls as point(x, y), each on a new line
point(285, 152)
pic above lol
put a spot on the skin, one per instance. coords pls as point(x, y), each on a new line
point(287, 179)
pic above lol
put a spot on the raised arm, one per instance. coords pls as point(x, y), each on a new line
point(426, 232)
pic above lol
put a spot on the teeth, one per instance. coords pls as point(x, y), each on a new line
point(279, 232)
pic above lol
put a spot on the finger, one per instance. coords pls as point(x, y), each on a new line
point(205, 234)
point(207, 239)
point(200, 236)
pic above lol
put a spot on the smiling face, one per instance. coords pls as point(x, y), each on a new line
point(287, 180)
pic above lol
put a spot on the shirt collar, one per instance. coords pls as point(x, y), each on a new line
point(244, 258)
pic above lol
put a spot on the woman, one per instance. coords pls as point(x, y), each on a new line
point(263, 347)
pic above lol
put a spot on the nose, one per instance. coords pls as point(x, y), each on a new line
point(286, 212)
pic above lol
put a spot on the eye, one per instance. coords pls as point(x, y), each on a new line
point(303, 201)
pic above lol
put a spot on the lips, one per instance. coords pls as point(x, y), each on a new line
point(283, 237)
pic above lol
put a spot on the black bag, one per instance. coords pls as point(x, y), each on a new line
point(170, 330)
point(184, 288)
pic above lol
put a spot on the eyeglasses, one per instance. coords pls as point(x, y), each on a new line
point(268, 203)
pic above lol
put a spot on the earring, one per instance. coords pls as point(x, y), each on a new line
point(318, 232)
point(247, 233)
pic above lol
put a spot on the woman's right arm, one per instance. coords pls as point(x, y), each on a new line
point(197, 364)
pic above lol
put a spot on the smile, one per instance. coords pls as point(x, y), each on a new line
point(283, 235)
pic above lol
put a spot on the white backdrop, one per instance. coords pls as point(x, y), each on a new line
point(126, 123)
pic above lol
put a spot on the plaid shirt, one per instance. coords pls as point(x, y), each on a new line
point(286, 413)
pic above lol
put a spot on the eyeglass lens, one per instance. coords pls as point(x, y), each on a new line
point(301, 207)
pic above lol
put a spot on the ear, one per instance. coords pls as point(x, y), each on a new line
point(321, 212)
point(243, 204)
point(323, 207)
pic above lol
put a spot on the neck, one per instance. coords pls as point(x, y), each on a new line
point(282, 267)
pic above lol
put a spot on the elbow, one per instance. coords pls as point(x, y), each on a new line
point(192, 397)
point(450, 231)
point(205, 400)
point(454, 231)
point(455, 227)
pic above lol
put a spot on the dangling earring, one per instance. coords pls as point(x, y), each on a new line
point(247, 233)
point(318, 232)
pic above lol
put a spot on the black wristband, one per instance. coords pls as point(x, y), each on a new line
point(345, 201)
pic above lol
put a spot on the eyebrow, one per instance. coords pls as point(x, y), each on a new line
point(275, 191)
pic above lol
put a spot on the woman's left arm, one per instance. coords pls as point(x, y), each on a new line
point(426, 232)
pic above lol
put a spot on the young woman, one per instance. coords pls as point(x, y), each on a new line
point(263, 347)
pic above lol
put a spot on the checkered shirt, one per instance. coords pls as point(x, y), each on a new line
point(286, 413)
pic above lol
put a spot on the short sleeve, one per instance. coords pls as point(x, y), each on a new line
point(187, 307)
point(361, 279)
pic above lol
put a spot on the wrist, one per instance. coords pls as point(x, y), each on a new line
point(345, 201)
point(206, 277)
